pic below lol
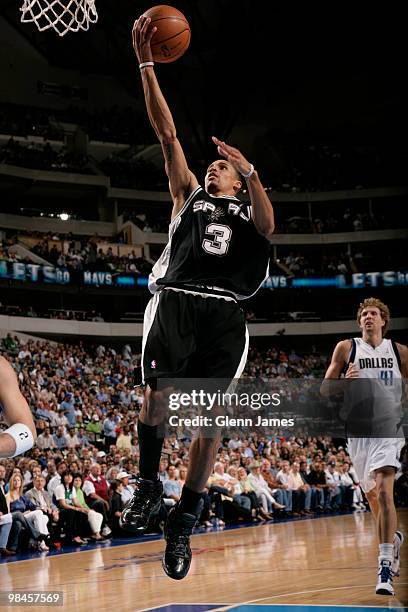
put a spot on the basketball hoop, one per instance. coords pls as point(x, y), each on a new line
point(61, 15)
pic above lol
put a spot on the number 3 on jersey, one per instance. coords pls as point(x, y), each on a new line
point(219, 243)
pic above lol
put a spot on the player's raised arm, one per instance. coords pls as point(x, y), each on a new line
point(337, 364)
point(262, 209)
point(182, 180)
point(21, 434)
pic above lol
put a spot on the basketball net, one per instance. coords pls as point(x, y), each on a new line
point(61, 15)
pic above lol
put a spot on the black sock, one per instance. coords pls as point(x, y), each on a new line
point(150, 445)
point(191, 501)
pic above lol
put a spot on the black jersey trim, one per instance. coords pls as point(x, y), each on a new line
point(186, 203)
point(397, 353)
point(352, 356)
point(353, 350)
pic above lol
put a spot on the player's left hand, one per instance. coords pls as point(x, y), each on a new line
point(233, 156)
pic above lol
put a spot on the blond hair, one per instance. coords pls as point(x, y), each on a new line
point(376, 303)
point(11, 487)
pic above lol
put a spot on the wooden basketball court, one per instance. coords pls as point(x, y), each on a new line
point(328, 562)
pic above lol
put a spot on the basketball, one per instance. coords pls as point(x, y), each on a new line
point(173, 33)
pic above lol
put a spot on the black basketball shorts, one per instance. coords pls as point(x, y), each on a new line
point(190, 335)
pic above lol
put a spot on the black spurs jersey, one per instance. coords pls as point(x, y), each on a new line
point(213, 243)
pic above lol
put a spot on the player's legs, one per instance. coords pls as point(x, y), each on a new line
point(203, 452)
point(148, 493)
point(373, 503)
point(183, 517)
point(222, 345)
point(387, 516)
point(387, 525)
point(168, 341)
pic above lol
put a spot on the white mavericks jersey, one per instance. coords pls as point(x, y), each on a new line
point(377, 400)
point(381, 362)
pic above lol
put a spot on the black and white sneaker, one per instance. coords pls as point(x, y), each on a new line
point(385, 576)
point(398, 541)
point(177, 531)
point(145, 501)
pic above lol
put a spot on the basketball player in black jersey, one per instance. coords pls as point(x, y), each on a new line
point(218, 253)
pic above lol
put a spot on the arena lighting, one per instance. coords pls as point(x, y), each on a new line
point(64, 216)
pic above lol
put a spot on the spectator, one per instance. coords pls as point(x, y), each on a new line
point(124, 440)
point(262, 491)
point(172, 487)
point(109, 430)
point(115, 508)
point(301, 490)
point(45, 440)
point(247, 489)
point(333, 486)
point(96, 494)
point(67, 405)
point(73, 518)
point(72, 439)
point(60, 438)
point(127, 489)
point(5, 518)
point(42, 500)
point(83, 440)
point(95, 519)
point(56, 480)
point(317, 480)
point(35, 520)
point(283, 480)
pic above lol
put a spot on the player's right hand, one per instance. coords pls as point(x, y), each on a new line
point(352, 371)
point(141, 37)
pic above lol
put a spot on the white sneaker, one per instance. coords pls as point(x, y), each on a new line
point(106, 531)
point(42, 546)
point(398, 541)
point(384, 583)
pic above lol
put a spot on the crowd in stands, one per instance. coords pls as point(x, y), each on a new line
point(323, 261)
point(319, 166)
point(73, 484)
point(350, 220)
point(126, 170)
point(63, 314)
point(24, 121)
point(150, 222)
point(294, 167)
point(344, 219)
point(43, 156)
point(108, 125)
point(298, 264)
point(84, 253)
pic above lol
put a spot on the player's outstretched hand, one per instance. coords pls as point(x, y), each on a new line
point(233, 156)
point(141, 37)
point(352, 371)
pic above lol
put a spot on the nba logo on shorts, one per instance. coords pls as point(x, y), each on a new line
point(153, 364)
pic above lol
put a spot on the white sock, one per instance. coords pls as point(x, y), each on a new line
point(386, 552)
